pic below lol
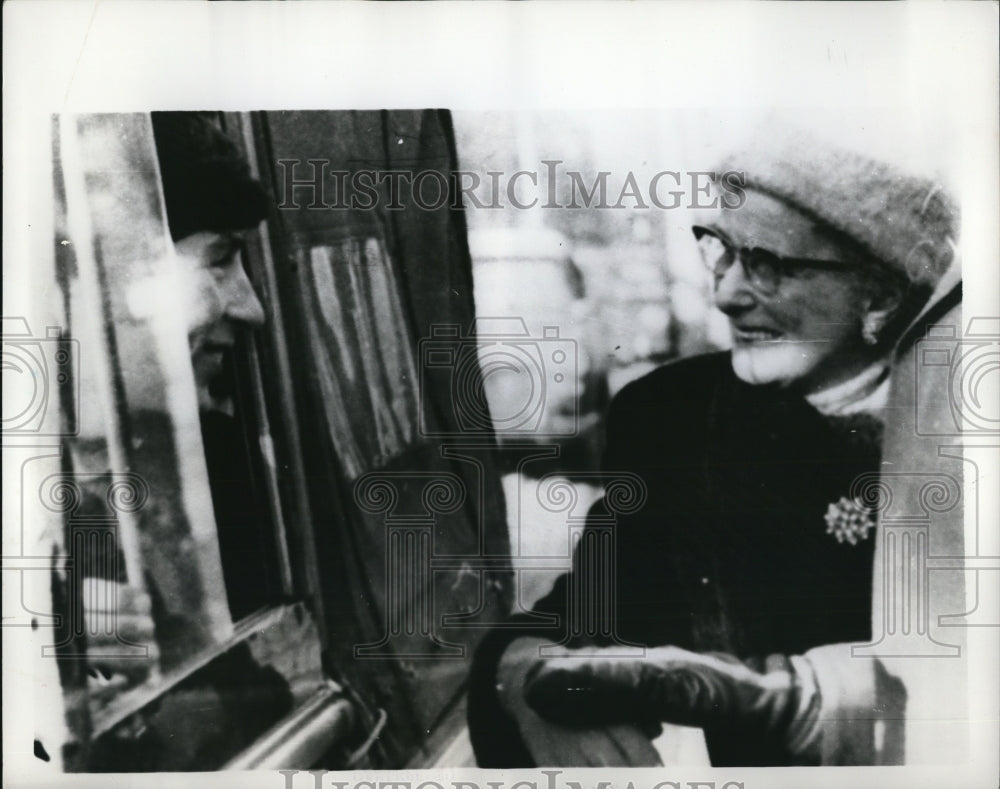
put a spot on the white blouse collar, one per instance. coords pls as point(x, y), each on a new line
point(867, 392)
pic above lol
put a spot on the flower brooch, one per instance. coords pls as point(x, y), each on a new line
point(849, 520)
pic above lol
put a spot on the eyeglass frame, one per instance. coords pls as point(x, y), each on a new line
point(745, 254)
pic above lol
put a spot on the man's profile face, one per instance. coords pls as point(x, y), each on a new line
point(218, 302)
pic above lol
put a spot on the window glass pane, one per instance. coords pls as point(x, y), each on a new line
point(364, 361)
point(149, 592)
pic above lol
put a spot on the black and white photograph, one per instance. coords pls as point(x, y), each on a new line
point(475, 393)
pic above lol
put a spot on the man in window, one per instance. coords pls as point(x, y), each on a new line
point(211, 199)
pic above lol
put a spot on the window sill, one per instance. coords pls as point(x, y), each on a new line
point(136, 699)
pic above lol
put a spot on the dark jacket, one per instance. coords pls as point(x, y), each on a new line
point(730, 552)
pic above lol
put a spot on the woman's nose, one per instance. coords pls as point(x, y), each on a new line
point(733, 292)
point(241, 302)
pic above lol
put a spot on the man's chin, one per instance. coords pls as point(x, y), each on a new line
point(210, 402)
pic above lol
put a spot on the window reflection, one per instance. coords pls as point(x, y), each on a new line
point(357, 338)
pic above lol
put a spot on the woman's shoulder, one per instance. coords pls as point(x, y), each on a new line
point(691, 378)
point(677, 397)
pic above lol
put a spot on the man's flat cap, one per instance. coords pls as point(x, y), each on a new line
point(207, 183)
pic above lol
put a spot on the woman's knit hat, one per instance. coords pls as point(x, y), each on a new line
point(907, 222)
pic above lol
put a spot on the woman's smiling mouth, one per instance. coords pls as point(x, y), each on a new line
point(755, 334)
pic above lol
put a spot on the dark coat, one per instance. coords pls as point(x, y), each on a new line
point(730, 552)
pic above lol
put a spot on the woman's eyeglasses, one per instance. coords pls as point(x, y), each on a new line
point(764, 269)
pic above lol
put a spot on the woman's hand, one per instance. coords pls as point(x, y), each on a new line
point(552, 744)
point(803, 703)
point(682, 687)
point(668, 683)
point(121, 639)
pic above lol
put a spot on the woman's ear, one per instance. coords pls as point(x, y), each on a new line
point(872, 325)
point(882, 302)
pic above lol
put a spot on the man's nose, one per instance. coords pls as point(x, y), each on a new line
point(733, 292)
point(241, 302)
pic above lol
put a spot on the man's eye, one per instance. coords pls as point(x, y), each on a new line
point(223, 262)
point(220, 271)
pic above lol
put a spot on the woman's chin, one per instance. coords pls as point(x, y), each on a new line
point(769, 363)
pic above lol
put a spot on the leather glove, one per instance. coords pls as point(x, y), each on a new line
point(781, 698)
point(553, 744)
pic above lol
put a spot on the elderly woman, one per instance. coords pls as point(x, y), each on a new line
point(747, 574)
